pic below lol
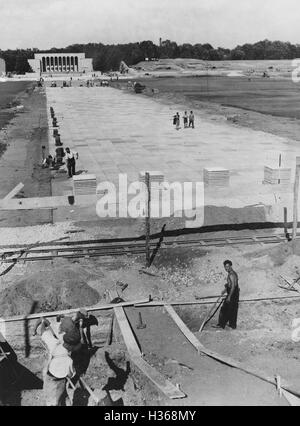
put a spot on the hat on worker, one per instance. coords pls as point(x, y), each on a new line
point(72, 340)
point(61, 366)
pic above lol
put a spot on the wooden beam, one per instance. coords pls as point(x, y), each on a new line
point(14, 191)
point(210, 302)
point(37, 203)
point(147, 220)
point(68, 311)
point(130, 341)
point(292, 399)
point(295, 204)
point(184, 329)
point(159, 381)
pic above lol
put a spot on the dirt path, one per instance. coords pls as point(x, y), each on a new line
point(26, 134)
point(205, 381)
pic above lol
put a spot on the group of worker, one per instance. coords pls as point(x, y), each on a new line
point(65, 339)
point(67, 336)
point(70, 157)
point(188, 120)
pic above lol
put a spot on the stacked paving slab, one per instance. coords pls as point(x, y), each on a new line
point(216, 177)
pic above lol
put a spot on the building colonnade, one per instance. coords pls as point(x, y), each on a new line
point(59, 63)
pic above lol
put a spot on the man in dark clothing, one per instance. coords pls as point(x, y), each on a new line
point(229, 310)
point(192, 120)
point(71, 162)
point(79, 326)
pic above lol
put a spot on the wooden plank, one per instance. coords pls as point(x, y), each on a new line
point(292, 399)
point(163, 384)
point(68, 311)
point(292, 286)
point(14, 191)
point(185, 330)
point(159, 381)
point(130, 341)
point(35, 203)
point(296, 286)
point(2, 339)
point(232, 363)
point(295, 204)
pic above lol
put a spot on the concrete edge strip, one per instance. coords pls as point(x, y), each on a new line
point(226, 360)
point(68, 311)
point(159, 381)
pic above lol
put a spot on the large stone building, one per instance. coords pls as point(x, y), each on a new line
point(53, 63)
point(2, 67)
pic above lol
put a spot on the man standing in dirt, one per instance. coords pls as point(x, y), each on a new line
point(229, 310)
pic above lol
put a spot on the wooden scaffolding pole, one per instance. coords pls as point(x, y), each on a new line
point(147, 219)
point(296, 195)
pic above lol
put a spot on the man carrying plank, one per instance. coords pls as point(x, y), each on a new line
point(229, 310)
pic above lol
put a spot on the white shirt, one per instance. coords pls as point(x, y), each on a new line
point(70, 155)
point(57, 350)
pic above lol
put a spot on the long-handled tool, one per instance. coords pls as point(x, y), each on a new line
point(212, 312)
point(110, 331)
point(92, 394)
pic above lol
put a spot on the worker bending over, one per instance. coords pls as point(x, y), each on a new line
point(59, 367)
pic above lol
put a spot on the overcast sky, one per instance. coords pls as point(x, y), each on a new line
point(225, 23)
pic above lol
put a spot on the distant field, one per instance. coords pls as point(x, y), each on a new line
point(268, 96)
point(8, 91)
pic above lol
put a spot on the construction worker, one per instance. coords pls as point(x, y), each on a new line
point(59, 367)
point(229, 309)
point(71, 162)
point(80, 324)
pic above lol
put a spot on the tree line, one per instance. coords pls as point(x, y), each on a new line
point(108, 57)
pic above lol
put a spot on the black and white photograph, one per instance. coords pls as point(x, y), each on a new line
point(149, 206)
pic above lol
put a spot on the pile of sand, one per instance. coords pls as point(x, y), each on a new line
point(63, 288)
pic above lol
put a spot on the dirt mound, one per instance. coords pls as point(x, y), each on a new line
point(63, 289)
point(277, 255)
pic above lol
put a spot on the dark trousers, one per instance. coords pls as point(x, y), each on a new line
point(191, 123)
point(229, 311)
point(71, 166)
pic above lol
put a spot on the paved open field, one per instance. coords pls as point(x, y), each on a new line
point(117, 132)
